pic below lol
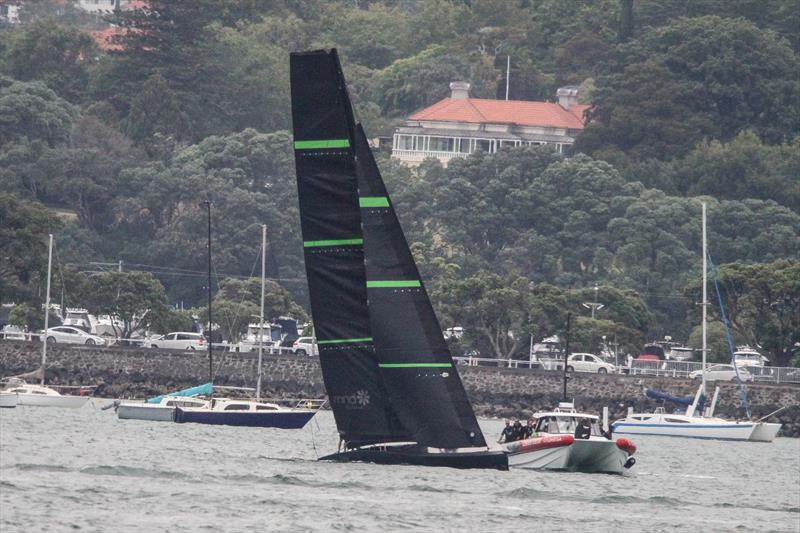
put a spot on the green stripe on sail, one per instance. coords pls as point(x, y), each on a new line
point(343, 341)
point(415, 365)
point(340, 242)
point(393, 284)
point(373, 201)
point(321, 144)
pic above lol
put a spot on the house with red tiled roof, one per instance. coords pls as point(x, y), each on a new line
point(459, 125)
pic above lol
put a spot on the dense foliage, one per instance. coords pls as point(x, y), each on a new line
point(692, 100)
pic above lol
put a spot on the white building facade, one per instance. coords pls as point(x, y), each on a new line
point(458, 126)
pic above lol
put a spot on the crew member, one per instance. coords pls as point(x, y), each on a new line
point(584, 429)
point(508, 433)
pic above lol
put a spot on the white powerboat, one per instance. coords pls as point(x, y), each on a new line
point(8, 399)
point(42, 396)
point(556, 447)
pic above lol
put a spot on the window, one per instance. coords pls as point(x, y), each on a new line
point(405, 142)
point(463, 145)
point(676, 420)
point(237, 407)
point(442, 144)
point(483, 144)
point(265, 408)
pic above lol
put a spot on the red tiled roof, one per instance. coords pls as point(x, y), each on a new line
point(480, 111)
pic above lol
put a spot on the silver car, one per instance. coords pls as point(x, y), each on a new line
point(179, 340)
point(722, 373)
point(70, 335)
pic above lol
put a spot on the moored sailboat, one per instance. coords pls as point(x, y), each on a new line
point(395, 393)
point(697, 421)
point(41, 395)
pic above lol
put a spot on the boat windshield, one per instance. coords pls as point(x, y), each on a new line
point(564, 425)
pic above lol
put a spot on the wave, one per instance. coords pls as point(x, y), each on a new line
point(32, 467)
point(132, 471)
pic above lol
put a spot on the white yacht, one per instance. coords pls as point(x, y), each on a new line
point(690, 425)
point(42, 396)
point(8, 399)
point(696, 421)
point(556, 447)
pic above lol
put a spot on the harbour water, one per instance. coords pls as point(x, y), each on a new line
point(85, 470)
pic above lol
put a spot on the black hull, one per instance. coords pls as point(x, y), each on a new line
point(412, 455)
point(257, 419)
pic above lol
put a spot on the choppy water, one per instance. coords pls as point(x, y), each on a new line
point(84, 470)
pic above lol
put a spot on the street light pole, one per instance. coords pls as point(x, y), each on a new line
point(595, 305)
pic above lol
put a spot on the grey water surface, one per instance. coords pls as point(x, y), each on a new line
point(85, 470)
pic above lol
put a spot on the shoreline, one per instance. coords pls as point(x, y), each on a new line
point(123, 372)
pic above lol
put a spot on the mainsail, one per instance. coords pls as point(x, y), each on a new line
point(386, 366)
point(334, 253)
point(414, 359)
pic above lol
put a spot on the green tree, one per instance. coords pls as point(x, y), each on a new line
point(131, 296)
point(237, 304)
point(57, 55)
point(762, 303)
point(694, 78)
point(23, 246)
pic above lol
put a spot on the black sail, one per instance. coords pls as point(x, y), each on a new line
point(333, 247)
point(414, 359)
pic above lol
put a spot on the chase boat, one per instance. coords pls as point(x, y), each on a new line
point(555, 446)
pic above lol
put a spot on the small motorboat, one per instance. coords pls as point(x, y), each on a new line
point(250, 413)
point(43, 396)
point(8, 399)
point(555, 445)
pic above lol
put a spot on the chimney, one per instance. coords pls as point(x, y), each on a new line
point(459, 90)
point(567, 96)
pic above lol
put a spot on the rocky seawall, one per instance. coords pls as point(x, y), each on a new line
point(500, 392)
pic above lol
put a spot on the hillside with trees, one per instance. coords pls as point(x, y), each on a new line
point(114, 127)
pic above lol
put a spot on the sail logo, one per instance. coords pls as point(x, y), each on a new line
point(358, 400)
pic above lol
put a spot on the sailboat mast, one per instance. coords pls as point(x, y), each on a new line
point(566, 356)
point(207, 203)
point(705, 298)
point(261, 315)
point(47, 307)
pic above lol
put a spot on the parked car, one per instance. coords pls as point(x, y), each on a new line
point(305, 346)
point(722, 373)
point(586, 362)
point(179, 340)
point(13, 333)
point(70, 335)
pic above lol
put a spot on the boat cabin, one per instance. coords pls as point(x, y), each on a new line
point(564, 419)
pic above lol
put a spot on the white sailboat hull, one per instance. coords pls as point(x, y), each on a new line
point(41, 400)
point(694, 427)
point(595, 455)
point(143, 411)
point(765, 432)
point(8, 400)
